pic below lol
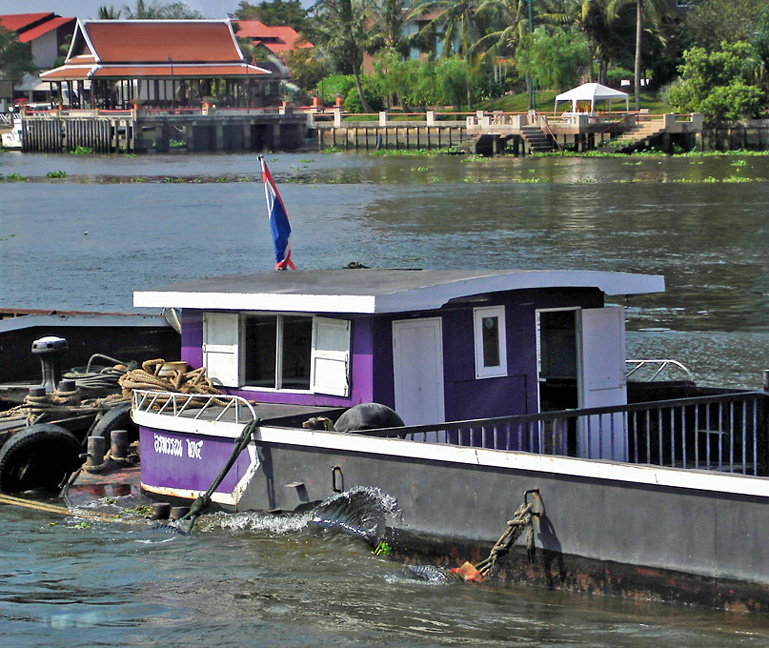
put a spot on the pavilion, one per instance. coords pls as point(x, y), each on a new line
point(164, 63)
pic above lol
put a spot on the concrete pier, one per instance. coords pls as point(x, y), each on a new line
point(147, 131)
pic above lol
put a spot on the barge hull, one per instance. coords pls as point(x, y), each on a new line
point(624, 530)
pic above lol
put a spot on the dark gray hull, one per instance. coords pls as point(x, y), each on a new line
point(603, 527)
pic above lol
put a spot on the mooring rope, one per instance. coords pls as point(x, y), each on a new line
point(62, 510)
point(521, 520)
point(202, 502)
point(149, 378)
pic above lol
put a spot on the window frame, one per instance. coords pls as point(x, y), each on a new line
point(481, 370)
point(236, 356)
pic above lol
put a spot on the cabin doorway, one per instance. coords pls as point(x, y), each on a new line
point(581, 364)
point(418, 370)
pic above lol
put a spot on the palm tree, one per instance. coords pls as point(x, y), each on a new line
point(340, 29)
point(654, 10)
point(387, 29)
point(144, 11)
point(459, 21)
point(108, 13)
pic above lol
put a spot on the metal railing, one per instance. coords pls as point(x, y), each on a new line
point(725, 433)
point(654, 368)
point(6, 118)
point(208, 407)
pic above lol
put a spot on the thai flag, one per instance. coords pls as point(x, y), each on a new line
point(281, 228)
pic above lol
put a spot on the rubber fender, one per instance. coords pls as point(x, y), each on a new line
point(116, 418)
point(39, 456)
point(368, 416)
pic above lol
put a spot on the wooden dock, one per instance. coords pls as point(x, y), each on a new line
point(147, 131)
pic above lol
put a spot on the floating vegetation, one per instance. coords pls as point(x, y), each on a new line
point(56, 174)
point(15, 177)
point(7, 238)
point(82, 150)
point(307, 161)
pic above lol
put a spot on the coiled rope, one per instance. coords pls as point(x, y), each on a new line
point(149, 378)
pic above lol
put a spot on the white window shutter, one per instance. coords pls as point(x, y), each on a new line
point(221, 336)
point(331, 356)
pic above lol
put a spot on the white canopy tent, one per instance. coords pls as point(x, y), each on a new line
point(591, 92)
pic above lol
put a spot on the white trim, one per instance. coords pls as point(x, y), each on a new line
point(425, 297)
point(597, 469)
point(479, 314)
point(267, 302)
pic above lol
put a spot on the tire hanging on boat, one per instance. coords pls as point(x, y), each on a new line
point(116, 418)
point(39, 456)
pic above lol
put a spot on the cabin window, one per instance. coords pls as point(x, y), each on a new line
point(277, 351)
point(273, 351)
point(490, 342)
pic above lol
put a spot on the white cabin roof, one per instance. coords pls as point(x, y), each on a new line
point(377, 291)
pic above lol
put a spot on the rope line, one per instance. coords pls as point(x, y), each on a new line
point(203, 501)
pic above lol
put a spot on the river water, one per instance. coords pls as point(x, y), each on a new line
point(116, 224)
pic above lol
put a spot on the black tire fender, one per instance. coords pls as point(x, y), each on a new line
point(116, 418)
point(39, 456)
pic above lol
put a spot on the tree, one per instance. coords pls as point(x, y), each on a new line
point(653, 11)
point(553, 57)
point(719, 84)
point(155, 10)
point(276, 12)
point(15, 57)
point(340, 29)
point(709, 24)
point(108, 13)
point(307, 70)
point(387, 29)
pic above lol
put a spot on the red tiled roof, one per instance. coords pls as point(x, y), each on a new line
point(18, 22)
point(73, 72)
point(157, 41)
point(44, 28)
point(276, 38)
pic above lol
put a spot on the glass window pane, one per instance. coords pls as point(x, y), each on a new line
point(260, 350)
point(297, 350)
point(490, 336)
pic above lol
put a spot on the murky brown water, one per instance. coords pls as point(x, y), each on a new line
point(114, 225)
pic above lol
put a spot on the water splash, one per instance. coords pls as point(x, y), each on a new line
point(361, 512)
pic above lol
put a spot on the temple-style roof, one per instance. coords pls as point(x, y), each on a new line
point(153, 49)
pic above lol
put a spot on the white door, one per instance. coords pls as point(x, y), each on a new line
point(418, 370)
point(601, 382)
point(221, 338)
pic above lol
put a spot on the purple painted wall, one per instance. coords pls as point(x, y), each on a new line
point(465, 397)
point(361, 366)
point(173, 460)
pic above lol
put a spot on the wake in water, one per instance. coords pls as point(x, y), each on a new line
point(360, 512)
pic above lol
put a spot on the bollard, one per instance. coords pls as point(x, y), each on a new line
point(97, 447)
point(178, 512)
point(119, 444)
point(160, 511)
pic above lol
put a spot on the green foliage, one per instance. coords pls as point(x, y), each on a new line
point(156, 10)
point(553, 57)
point(335, 85)
point(275, 12)
point(353, 103)
point(711, 23)
point(15, 57)
point(718, 84)
point(15, 177)
point(307, 70)
point(56, 174)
